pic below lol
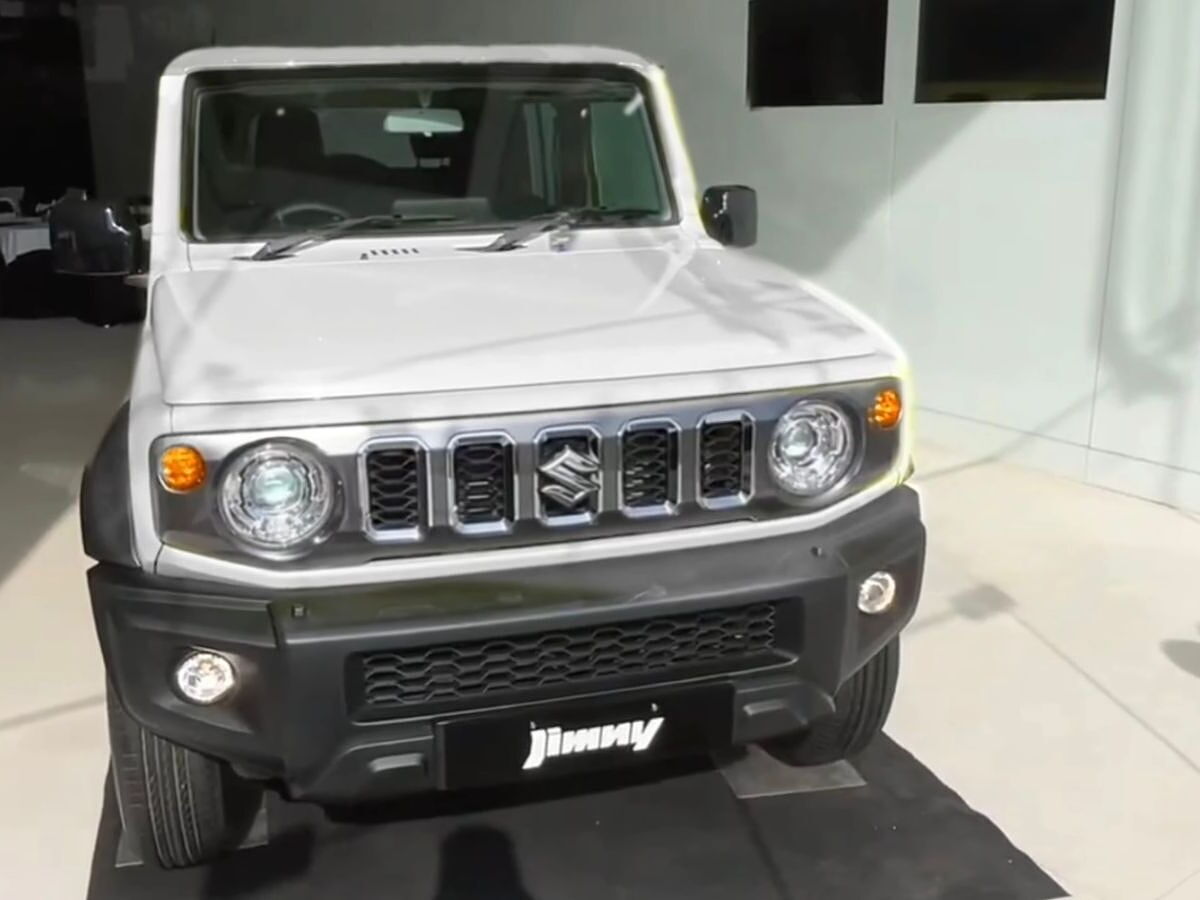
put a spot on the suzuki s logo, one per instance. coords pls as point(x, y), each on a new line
point(570, 478)
point(547, 743)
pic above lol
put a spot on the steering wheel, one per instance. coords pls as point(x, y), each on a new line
point(336, 213)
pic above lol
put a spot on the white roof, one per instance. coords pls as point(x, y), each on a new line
point(284, 57)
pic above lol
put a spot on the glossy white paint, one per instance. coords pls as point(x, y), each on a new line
point(325, 324)
point(338, 334)
point(208, 58)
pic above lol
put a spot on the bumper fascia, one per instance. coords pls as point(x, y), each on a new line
point(289, 720)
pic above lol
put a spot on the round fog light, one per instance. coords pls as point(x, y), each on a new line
point(204, 677)
point(876, 593)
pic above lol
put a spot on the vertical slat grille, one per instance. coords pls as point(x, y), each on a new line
point(570, 469)
point(396, 488)
point(726, 459)
point(649, 467)
point(483, 482)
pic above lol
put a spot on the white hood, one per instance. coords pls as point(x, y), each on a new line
point(310, 328)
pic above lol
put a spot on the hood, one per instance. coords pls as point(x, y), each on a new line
point(298, 330)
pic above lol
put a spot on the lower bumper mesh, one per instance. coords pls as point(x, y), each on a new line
point(449, 672)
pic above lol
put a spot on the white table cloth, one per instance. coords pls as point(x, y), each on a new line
point(22, 236)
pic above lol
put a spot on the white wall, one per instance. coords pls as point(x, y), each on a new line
point(999, 253)
point(980, 233)
point(1146, 432)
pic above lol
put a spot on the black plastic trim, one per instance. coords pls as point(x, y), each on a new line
point(291, 720)
point(104, 501)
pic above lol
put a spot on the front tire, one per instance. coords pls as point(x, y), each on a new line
point(180, 807)
point(862, 703)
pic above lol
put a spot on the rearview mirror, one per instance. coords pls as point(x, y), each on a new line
point(94, 237)
point(420, 120)
point(730, 213)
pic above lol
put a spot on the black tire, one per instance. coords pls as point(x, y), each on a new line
point(863, 704)
point(180, 807)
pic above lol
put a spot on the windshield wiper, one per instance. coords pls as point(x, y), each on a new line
point(289, 244)
point(523, 232)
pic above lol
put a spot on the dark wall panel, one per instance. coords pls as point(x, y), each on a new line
point(816, 52)
point(980, 50)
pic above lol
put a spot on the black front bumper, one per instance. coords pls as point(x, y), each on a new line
point(300, 717)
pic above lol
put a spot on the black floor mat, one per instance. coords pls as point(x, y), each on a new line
point(673, 831)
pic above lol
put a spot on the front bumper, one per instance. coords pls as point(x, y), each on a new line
point(299, 717)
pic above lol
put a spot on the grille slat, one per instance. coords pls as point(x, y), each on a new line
point(396, 488)
point(461, 671)
point(483, 482)
point(726, 459)
point(649, 467)
point(567, 479)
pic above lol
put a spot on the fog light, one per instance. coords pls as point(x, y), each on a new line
point(876, 593)
point(204, 677)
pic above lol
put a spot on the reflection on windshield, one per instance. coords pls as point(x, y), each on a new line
point(453, 148)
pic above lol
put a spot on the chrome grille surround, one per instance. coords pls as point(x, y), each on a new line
point(481, 476)
point(395, 489)
point(725, 459)
point(650, 468)
point(568, 475)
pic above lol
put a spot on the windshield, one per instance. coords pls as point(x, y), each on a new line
point(438, 148)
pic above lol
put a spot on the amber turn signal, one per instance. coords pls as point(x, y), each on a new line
point(886, 410)
point(181, 469)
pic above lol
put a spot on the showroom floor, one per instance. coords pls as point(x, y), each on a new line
point(1052, 677)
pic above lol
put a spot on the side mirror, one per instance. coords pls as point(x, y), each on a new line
point(94, 237)
point(730, 213)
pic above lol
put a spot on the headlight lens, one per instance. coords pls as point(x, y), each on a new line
point(812, 448)
point(277, 496)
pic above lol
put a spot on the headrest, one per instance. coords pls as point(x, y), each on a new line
point(288, 137)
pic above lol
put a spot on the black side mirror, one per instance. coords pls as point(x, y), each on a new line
point(94, 237)
point(730, 213)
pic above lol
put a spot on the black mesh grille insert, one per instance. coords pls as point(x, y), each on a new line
point(725, 455)
point(395, 488)
point(459, 671)
point(649, 460)
point(483, 482)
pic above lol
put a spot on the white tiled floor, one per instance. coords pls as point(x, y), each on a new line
point(1052, 676)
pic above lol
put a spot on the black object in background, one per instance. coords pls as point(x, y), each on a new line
point(984, 50)
point(816, 52)
point(46, 146)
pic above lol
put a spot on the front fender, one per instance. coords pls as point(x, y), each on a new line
point(104, 501)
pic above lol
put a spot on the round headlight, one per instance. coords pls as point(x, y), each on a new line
point(812, 448)
point(277, 496)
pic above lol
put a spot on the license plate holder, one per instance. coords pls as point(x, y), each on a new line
point(592, 733)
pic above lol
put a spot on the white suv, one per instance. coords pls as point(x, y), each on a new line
point(466, 444)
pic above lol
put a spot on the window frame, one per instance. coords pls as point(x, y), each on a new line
point(196, 82)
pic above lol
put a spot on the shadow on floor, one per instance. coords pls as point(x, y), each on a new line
point(1185, 654)
point(670, 831)
point(978, 603)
